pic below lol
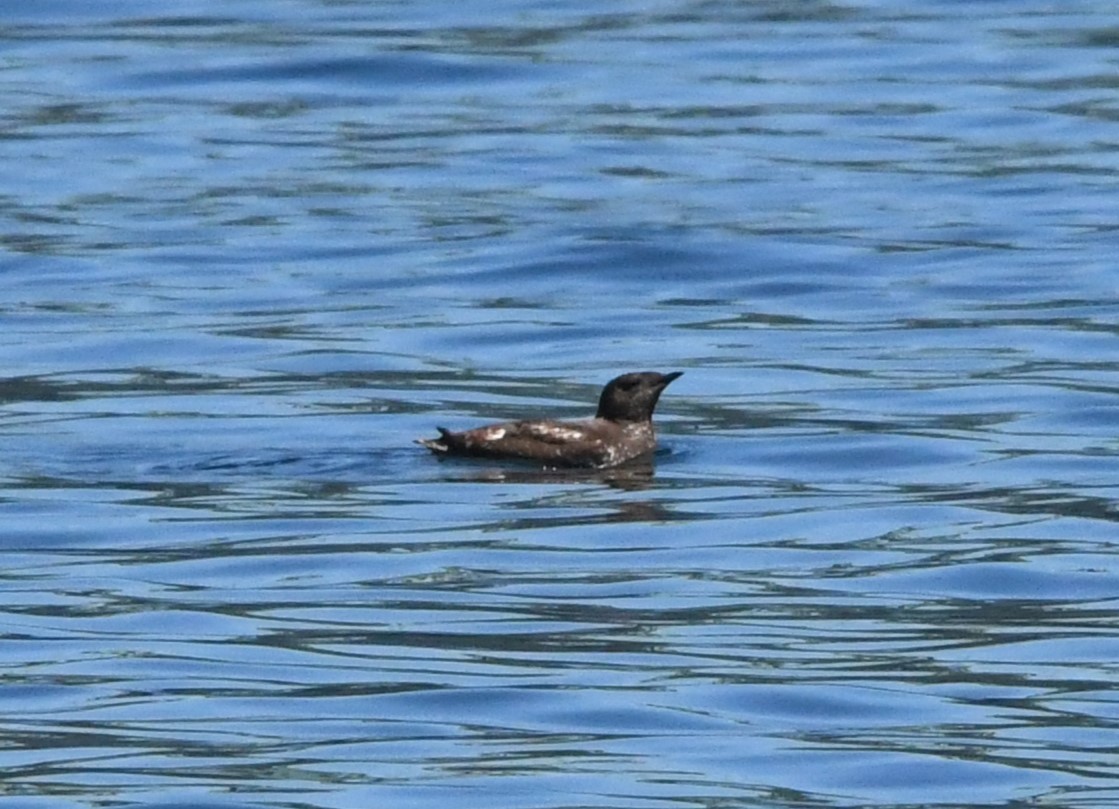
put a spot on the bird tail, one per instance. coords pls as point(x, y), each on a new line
point(441, 444)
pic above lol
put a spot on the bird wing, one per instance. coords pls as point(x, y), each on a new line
point(550, 432)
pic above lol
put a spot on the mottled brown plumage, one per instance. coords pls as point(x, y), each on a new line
point(621, 430)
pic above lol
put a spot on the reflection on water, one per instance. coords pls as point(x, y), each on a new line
point(250, 255)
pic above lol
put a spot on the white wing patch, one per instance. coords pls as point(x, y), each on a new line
point(558, 433)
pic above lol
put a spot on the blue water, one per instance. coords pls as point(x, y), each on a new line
point(250, 251)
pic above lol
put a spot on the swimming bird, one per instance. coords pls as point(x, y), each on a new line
point(620, 431)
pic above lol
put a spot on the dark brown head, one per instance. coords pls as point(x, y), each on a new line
point(633, 397)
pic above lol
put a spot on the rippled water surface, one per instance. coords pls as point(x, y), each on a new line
point(250, 251)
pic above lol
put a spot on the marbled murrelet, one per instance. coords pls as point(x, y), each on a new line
point(621, 430)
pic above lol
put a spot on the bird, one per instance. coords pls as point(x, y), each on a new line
point(621, 430)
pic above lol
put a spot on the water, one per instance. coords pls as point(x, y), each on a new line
point(250, 251)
